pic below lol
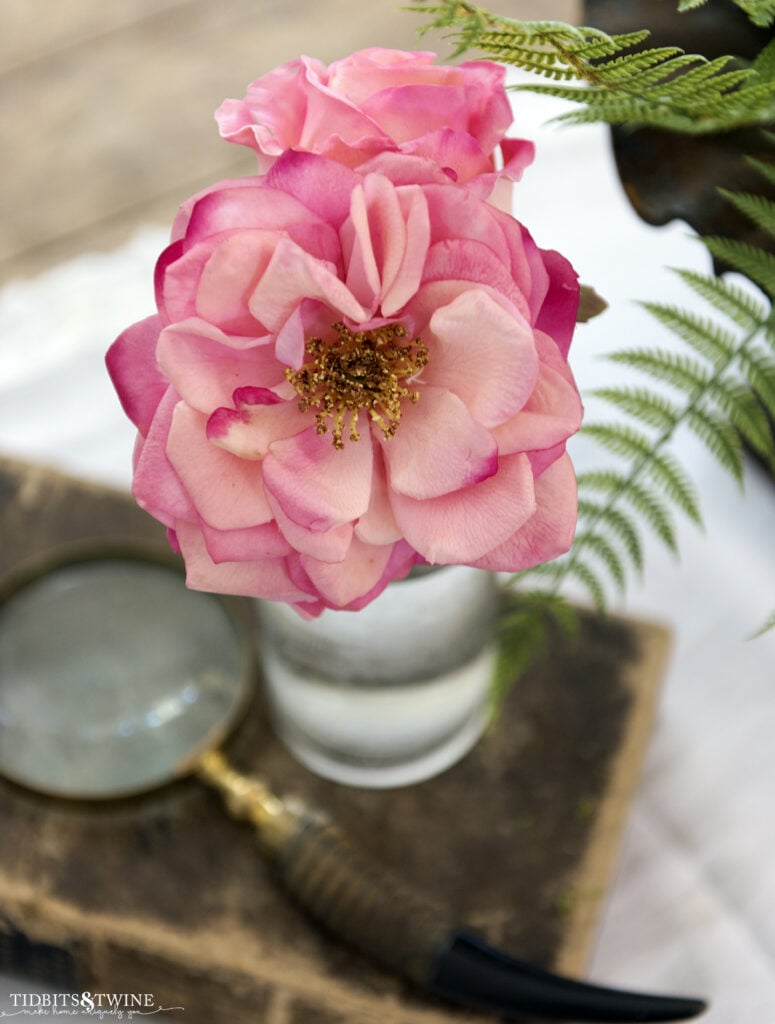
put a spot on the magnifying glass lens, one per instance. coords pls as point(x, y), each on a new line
point(112, 676)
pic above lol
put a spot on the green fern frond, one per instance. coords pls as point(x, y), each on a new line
point(733, 301)
point(719, 437)
point(624, 441)
point(755, 263)
point(675, 369)
point(653, 511)
point(766, 170)
point(624, 83)
point(760, 12)
point(746, 414)
point(727, 390)
point(631, 444)
point(604, 481)
point(757, 208)
point(619, 487)
point(589, 580)
point(701, 83)
point(753, 425)
point(684, 63)
point(601, 547)
point(647, 406)
point(615, 523)
point(701, 333)
point(764, 64)
point(666, 472)
point(720, 106)
point(760, 375)
point(724, 394)
point(528, 623)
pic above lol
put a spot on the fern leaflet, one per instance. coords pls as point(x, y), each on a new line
point(760, 12)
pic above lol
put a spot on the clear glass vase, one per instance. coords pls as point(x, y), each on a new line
point(389, 695)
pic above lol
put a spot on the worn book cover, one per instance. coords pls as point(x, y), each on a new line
point(165, 894)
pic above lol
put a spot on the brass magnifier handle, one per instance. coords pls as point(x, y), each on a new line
point(343, 891)
point(356, 900)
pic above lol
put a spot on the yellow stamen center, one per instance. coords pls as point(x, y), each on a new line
point(358, 370)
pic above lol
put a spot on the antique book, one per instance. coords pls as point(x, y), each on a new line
point(164, 894)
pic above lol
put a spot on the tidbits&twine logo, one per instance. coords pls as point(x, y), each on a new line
point(121, 1005)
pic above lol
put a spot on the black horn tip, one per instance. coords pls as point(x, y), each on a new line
point(472, 973)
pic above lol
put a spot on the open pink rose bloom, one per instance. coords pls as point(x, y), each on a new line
point(354, 369)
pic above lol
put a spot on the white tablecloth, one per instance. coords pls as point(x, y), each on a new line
point(693, 905)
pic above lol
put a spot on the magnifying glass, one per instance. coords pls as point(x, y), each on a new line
point(115, 679)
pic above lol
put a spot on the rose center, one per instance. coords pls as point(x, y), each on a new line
point(358, 370)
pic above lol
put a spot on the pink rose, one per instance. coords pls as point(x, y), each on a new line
point(347, 376)
point(378, 102)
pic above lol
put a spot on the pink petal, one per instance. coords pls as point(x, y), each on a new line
point(363, 272)
point(526, 256)
point(322, 186)
point(177, 276)
point(398, 291)
point(375, 68)
point(316, 485)
point(329, 113)
point(518, 154)
point(401, 111)
point(548, 533)
point(254, 203)
point(326, 546)
point(524, 259)
point(255, 424)
point(458, 215)
point(385, 241)
point(378, 524)
point(456, 151)
point(290, 341)
point(551, 415)
point(230, 276)
point(156, 486)
point(254, 543)
point(260, 121)
point(462, 527)
point(438, 447)
point(236, 124)
point(557, 316)
point(434, 295)
point(292, 276)
point(205, 366)
point(342, 582)
point(541, 460)
point(490, 117)
point(476, 263)
point(399, 565)
point(187, 207)
point(131, 363)
point(493, 187)
point(484, 354)
point(266, 578)
point(228, 492)
point(405, 169)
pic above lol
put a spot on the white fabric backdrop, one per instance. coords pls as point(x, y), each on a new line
point(693, 903)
